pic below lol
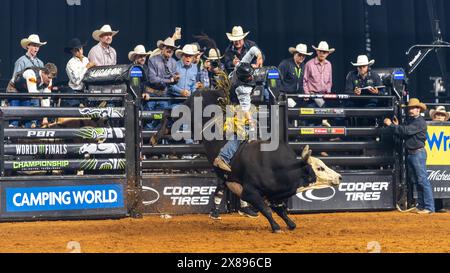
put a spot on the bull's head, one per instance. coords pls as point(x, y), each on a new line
point(324, 175)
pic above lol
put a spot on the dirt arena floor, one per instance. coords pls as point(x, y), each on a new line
point(338, 232)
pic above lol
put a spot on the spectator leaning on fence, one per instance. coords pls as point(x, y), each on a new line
point(363, 82)
point(76, 68)
point(238, 47)
point(103, 53)
point(162, 73)
point(187, 84)
point(293, 69)
point(439, 115)
point(415, 134)
point(35, 80)
point(139, 57)
point(32, 45)
point(318, 78)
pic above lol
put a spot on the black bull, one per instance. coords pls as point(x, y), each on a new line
point(260, 178)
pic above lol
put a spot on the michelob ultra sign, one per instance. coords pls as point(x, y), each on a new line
point(438, 145)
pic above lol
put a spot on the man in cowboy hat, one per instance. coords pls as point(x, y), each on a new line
point(103, 53)
point(238, 47)
point(32, 45)
point(363, 81)
point(439, 115)
point(76, 68)
point(139, 55)
point(214, 66)
point(187, 83)
point(162, 72)
point(318, 77)
point(415, 134)
point(185, 67)
point(292, 70)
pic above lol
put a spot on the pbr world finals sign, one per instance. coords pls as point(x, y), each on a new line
point(438, 163)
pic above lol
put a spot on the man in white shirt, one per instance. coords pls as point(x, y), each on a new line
point(76, 68)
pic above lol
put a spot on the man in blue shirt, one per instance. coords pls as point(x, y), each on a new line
point(187, 84)
point(187, 71)
point(162, 74)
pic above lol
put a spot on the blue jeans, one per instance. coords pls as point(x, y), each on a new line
point(154, 106)
point(418, 173)
point(227, 152)
point(24, 103)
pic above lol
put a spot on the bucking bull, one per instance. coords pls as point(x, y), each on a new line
point(265, 179)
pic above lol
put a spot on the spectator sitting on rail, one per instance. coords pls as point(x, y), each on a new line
point(35, 80)
point(415, 134)
point(162, 73)
point(32, 45)
point(292, 70)
point(103, 53)
point(318, 77)
point(76, 68)
point(237, 49)
point(363, 82)
point(439, 115)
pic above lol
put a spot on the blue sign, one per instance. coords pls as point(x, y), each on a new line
point(136, 72)
point(64, 198)
point(399, 75)
point(273, 75)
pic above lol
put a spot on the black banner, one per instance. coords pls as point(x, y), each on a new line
point(30, 112)
point(88, 133)
point(356, 192)
point(47, 165)
point(181, 194)
point(65, 149)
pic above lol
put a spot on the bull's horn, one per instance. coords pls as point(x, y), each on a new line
point(305, 152)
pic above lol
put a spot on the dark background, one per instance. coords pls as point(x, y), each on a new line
point(274, 25)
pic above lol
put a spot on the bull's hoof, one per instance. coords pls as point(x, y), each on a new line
point(277, 231)
point(292, 227)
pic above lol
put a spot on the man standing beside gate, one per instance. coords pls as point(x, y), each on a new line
point(415, 134)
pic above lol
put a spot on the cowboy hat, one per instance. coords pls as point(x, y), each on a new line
point(105, 29)
point(138, 50)
point(440, 110)
point(416, 103)
point(323, 46)
point(169, 42)
point(75, 43)
point(188, 49)
point(214, 54)
point(300, 48)
point(237, 34)
point(363, 60)
point(32, 39)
